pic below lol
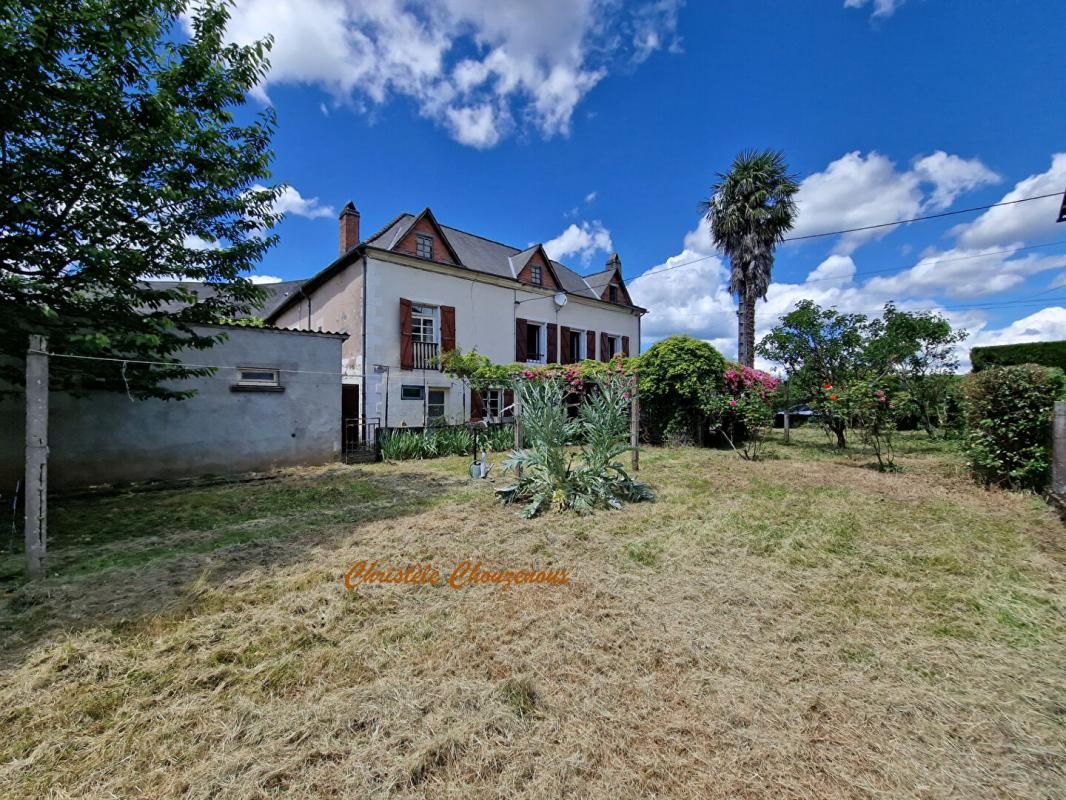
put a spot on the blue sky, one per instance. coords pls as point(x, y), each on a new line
point(598, 125)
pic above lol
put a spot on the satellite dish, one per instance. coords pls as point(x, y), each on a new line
point(560, 299)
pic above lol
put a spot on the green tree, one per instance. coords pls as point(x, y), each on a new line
point(675, 375)
point(820, 349)
point(121, 160)
point(750, 210)
point(920, 349)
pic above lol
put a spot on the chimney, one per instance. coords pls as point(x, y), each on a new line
point(614, 262)
point(349, 227)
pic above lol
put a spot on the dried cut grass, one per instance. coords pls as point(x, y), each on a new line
point(802, 627)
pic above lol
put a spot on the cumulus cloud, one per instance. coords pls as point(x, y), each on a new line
point(859, 190)
point(479, 68)
point(583, 241)
point(1007, 225)
point(292, 202)
point(881, 8)
point(262, 279)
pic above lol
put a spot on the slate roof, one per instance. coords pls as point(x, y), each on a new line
point(277, 293)
point(495, 258)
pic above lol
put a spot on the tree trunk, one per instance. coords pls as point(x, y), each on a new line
point(746, 331)
point(839, 429)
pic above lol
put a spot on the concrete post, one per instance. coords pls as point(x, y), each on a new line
point(634, 429)
point(36, 456)
point(1058, 470)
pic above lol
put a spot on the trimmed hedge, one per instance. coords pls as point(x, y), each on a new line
point(1046, 354)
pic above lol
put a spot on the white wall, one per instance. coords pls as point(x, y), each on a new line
point(484, 320)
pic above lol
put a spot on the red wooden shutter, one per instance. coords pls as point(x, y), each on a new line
point(407, 347)
point(564, 345)
point(520, 341)
point(553, 343)
point(447, 328)
point(605, 347)
point(477, 406)
point(590, 345)
point(625, 346)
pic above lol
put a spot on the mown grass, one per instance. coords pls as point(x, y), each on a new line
point(799, 627)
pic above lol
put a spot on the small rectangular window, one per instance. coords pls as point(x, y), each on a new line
point(494, 403)
point(535, 274)
point(614, 344)
point(435, 406)
point(257, 376)
point(612, 293)
point(533, 337)
point(423, 324)
point(412, 392)
point(424, 246)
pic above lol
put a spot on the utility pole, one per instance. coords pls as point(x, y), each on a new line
point(786, 412)
point(36, 456)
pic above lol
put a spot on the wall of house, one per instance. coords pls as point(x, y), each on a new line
point(484, 319)
point(335, 307)
point(106, 438)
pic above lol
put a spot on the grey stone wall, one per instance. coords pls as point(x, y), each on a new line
point(106, 438)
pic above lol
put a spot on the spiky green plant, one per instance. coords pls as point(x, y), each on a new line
point(546, 473)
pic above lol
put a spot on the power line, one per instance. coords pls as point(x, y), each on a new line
point(920, 219)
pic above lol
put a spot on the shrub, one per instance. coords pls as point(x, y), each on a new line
point(876, 407)
point(675, 374)
point(549, 476)
point(404, 445)
point(1008, 419)
point(743, 412)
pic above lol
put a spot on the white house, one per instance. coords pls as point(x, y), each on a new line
point(417, 288)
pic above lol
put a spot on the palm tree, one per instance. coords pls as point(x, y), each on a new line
point(750, 210)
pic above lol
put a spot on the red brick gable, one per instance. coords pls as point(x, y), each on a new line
point(623, 293)
point(547, 277)
point(442, 252)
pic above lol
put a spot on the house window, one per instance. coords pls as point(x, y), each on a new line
point(435, 405)
point(424, 246)
point(494, 403)
point(423, 324)
point(614, 346)
point(535, 274)
point(612, 293)
point(408, 392)
point(534, 351)
point(257, 376)
point(577, 346)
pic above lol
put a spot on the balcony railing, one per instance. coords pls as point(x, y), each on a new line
point(426, 355)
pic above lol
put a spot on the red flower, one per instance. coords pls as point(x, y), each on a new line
point(832, 397)
point(827, 386)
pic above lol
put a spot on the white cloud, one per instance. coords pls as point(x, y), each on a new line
point(881, 8)
point(292, 202)
point(521, 62)
point(836, 270)
point(951, 176)
point(260, 279)
point(476, 126)
point(856, 191)
point(1006, 225)
point(1047, 324)
point(194, 242)
point(590, 197)
point(583, 241)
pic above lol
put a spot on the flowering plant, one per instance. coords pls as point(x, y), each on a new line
point(744, 412)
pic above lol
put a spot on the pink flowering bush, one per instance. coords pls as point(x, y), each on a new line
point(743, 413)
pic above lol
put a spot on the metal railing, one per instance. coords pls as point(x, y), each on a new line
point(426, 355)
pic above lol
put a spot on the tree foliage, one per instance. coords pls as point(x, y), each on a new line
point(121, 159)
point(675, 375)
point(750, 210)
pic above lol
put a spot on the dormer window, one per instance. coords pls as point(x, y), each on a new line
point(535, 275)
point(424, 246)
point(612, 293)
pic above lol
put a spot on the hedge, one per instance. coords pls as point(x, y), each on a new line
point(1046, 354)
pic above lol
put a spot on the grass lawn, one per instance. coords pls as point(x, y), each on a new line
point(803, 627)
